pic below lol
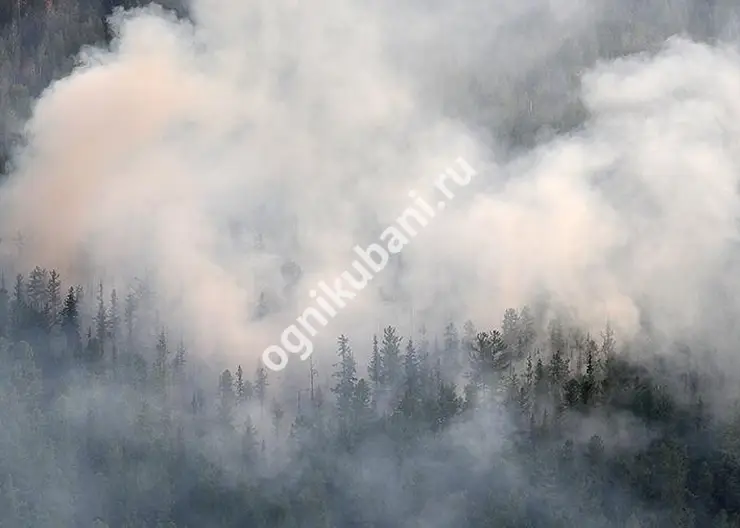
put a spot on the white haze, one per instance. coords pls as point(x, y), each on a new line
point(310, 122)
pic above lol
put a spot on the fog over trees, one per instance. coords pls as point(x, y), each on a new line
point(557, 349)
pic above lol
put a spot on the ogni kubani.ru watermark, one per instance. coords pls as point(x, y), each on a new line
point(373, 259)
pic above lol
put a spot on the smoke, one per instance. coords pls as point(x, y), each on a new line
point(235, 160)
point(208, 153)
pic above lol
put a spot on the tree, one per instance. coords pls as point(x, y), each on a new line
point(375, 367)
point(390, 358)
point(80, 296)
point(558, 368)
point(527, 332)
point(588, 384)
point(510, 331)
point(160, 363)
point(447, 405)
point(226, 395)
point(54, 295)
point(260, 386)
point(71, 320)
point(114, 324)
point(346, 378)
point(37, 289)
point(244, 389)
point(101, 324)
point(362, 410)
point(488, 356)
point(411, 402)
point(129, 314)
point(178, 363)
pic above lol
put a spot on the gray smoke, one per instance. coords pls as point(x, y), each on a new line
point(209, 153)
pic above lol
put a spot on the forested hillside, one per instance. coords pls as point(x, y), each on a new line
point(559, 350)
point(101, 429)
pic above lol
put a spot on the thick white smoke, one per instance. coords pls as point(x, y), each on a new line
point(305, 125)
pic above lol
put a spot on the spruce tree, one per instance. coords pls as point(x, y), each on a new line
point(375, 367)
point(346, 377)
point(114, 324)
point(54, 296)
point(70, 318)
point(260, 386)
point(390, 358)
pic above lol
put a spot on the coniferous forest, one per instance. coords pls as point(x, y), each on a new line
point(111, 417)
point(554, 429)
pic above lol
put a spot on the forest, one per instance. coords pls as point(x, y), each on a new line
point(101, 429)
point(113, 416)
point(555, 429)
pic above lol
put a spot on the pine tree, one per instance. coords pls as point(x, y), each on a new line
point(558, 368)
point(114, 324)
point(588, 384)
point(346, 378)
point(510, 330)
point(489, 356)
point(71, 321)
point(160, 363)
point(608, 347)
point(447, 404)
point(540, 377)
point(260, 386)
point(37, 289)
point(375, 367)
point(101, 324)
point(54, 295)
point(80, 296)
point(390, 358)
point(129, 313)
point(410, 404)
point(526, 331)
point(239, 385)
point(178, 363)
